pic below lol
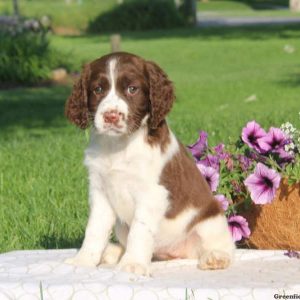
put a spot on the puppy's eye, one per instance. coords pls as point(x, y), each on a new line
point(132, 90)
point(98, 90)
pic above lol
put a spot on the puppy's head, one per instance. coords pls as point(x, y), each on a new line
point(118, 92)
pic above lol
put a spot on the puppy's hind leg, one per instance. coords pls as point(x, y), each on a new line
point(216, 246)
point(112, 254)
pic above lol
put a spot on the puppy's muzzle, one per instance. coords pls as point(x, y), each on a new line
point(113, 117)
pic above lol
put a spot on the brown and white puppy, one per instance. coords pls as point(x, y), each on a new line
point(140, 177)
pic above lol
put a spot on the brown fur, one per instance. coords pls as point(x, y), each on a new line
point(161, 94)
point(76, 108)
point(180, 176)
point(155, 97)
point(159, 136)
point(149, 101)
point(188, 188)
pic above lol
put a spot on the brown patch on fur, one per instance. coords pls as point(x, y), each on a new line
point(161, 94)
point(154, 97)
point(76, 108)
point(188, 188)
point(131, 72)
point(211, 209)
point(159, 136)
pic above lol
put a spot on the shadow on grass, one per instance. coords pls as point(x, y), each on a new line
point(293, 80)
point(264, 4)
point(261, 32)
point(33, 107)
point(57, 242)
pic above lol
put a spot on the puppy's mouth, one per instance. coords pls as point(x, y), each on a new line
point(117, 127)
point(112, 129)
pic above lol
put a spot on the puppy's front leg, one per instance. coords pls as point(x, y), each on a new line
point(101, 220)
point(150, 209)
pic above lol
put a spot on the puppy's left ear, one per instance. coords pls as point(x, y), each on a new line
point(76, 108)
point(161, 94)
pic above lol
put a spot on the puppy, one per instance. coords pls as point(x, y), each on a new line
point(141, 179)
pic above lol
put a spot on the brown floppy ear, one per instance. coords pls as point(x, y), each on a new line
point(161, 94)
point(76, 108)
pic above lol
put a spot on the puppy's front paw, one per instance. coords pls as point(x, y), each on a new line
point(213, 260)
point(83, 260)
point(135, 268)
point(128, 264)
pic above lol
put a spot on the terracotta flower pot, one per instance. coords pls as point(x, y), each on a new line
point(276, 225)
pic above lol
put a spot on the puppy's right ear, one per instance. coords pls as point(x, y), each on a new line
point(76, 109)
point(161, 94)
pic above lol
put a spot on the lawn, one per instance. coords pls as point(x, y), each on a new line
point(241, 5)
point(233, 8)
point(43, 194)
point(75, 15)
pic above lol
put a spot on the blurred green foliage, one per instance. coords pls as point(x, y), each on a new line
point(137, 15)
point(26, 56)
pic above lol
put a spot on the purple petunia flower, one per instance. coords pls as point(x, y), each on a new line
point(238, 227)
point(223, 201)
point(210, 161)
point(254, 156)
point(244, 161)
point(200, 147)
point(220, 153)
point(284, 156)
point(251, 133)
point(262, 184)
point(211, 175)
point(219, 150)
point(274, 140)
point(292, 254)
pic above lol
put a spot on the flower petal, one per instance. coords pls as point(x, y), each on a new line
point(211, 175)
point(262, 184)
point(223, 200)
point(251, 133)
point(199, 148)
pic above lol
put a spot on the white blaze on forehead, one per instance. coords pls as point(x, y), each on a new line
point(112, 98)
point(111, 102)
point(112, 71)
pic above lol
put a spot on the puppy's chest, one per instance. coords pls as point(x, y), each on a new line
point(120, 182)
point(129, 167)
point(125, 175)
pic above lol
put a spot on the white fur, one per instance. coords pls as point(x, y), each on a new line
point(124, 189)
point(112, 254)
point(124, 175)
point(112, 102)
point(216, 242)
point(169, 233)
point(215, 234)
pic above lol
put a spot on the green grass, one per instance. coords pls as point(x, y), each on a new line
point(40, 189)
point(76, 16)
point(73, 15)
point(233, 8)
point(43, 186)
point(223, 6)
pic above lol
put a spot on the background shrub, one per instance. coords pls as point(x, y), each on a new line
point(138, 15)
point(26, 56)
